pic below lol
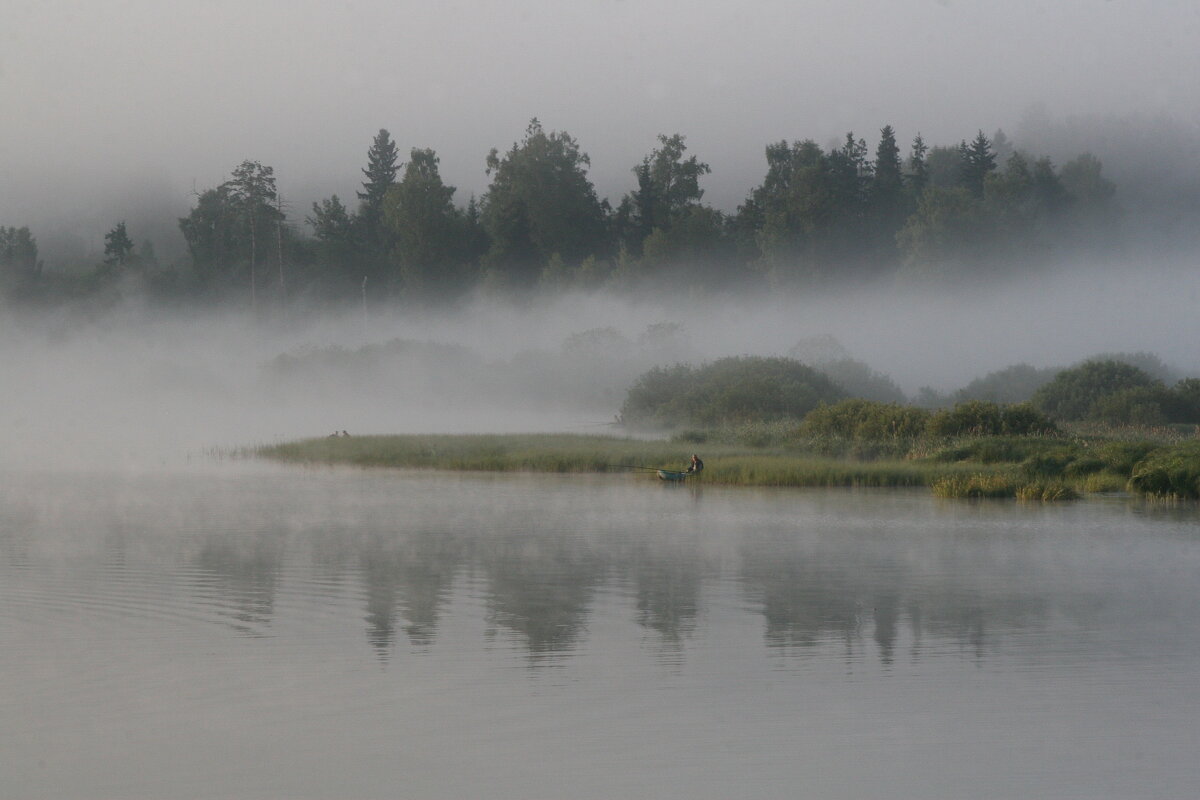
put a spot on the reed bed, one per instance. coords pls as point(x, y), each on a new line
point(1028, 468)
point(727, 464)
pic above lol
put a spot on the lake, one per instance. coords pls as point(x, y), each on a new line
point(249, 630)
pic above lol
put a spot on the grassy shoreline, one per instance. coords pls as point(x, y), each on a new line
point(726, 464)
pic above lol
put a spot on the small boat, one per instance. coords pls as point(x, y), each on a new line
point(672, 475)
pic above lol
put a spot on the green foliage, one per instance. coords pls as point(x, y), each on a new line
point(1045, 492)
point(1122, 457)
point(978, 161)
point(865, 420)
point(380, 174)
point(948, 232)
point(118, 247)
point(1187, 399)
point(974, 487)
point(730, 389)
point(979, 418)
point(540, 203)
point(234, 228)
point(19, 265)
point(341, 248)
point(1169, 473)
point(859, 380)
point(813, 209)
point(1053, 463)
point(1014, 384)
point(426, 228)
point(995, 449)
point(1074, 392)
point(1139, 405)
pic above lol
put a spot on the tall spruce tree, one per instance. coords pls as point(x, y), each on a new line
point(887, 182)
point(918, 171)
point(380, 173)
point(977, 161)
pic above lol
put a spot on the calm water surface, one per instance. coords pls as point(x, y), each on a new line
point(255, 631)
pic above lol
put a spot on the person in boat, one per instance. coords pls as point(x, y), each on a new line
point(696, 466)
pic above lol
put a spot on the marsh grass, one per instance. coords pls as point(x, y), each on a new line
point(1029, 468)
point(727, 464)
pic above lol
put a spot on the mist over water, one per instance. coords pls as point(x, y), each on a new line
point(140, 388)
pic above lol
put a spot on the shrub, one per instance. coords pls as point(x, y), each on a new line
point(859, 380)
point(1015, 384)
point(1170, 472)
point(979, 418)
point(1186, 400)
point(1052, 464)
point(1073, 392)
point(730, 390)
point(864, 420)
point(1122, 457)
point(1141, 405)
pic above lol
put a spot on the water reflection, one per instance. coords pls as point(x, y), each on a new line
point(540, 586)
point(867, 576)
point(239, 574)
point(411, 576)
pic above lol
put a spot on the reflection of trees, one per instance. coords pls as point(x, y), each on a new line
point(241, 571)
point(812, 594)
point(668, 591)
point(804, 601)
point(411, 575)
point(541, 588)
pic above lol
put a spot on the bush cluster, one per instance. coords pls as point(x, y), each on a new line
point(1118, 393)
point(1169, 473)
point(864, 420)
point(980, 418)
point(738, 389)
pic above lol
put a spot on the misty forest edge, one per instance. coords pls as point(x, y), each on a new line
point(1105, 425)
point(820, 217)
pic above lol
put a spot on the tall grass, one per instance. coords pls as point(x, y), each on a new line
point(1029, 467)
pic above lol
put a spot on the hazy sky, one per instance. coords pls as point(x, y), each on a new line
point(117, 109)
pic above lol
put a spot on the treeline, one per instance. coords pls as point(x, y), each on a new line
point(819, 216)
point(1107, 390)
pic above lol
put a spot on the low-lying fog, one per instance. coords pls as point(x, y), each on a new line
point(140, 390)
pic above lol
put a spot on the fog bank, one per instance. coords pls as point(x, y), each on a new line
point(139, 390)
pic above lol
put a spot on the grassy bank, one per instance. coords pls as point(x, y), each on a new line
point(1041, 468)
point(726, 464)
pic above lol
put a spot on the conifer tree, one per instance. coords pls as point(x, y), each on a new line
point(977, 161)
point(118, 247)
point(380, 173)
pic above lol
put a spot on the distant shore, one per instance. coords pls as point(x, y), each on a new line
point(729, 465)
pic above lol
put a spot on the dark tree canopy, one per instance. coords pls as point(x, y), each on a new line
point(728, 390)
point(425, 226)
point(541, 203)
point(380, 174)
point(977, 161)
point(118, 247)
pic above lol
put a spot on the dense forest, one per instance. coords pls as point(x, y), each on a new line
point(820, 216)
